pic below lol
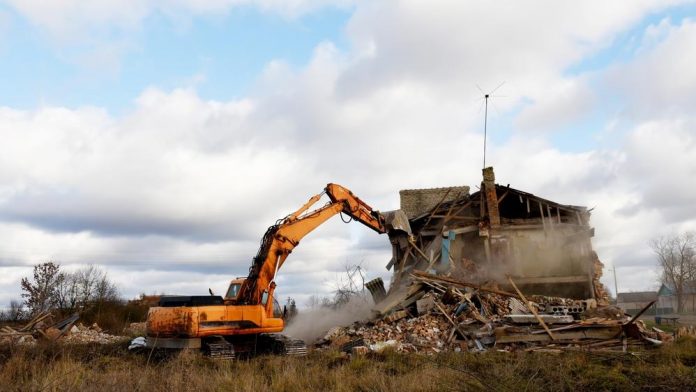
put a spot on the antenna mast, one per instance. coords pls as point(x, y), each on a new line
point(486, 96)
point(485, 129)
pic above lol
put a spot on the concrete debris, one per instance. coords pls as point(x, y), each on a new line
point(376, 288)
point(91, 334)
point(480, 318)
point(66, 331)
point(530, 319)
point(424, 305)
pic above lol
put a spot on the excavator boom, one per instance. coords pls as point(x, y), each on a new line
point(281, 238)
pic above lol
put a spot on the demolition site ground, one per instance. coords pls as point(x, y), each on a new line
point(49, 366)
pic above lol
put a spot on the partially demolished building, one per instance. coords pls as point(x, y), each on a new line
point(544, 246)
point(496, 269)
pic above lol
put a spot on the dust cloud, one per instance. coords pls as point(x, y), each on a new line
point(311, 325)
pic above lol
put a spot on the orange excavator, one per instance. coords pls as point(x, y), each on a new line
point(247, 320)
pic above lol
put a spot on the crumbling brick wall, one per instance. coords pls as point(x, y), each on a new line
point(415, 202)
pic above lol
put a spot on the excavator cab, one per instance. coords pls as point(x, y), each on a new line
point(233, 290)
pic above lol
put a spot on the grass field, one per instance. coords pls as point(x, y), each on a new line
point(112, 368)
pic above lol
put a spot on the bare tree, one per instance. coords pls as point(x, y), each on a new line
point(67, 293)
point(40, 294)
point(315, 302)
point(14, 313)
point(84, 288)
point(52, 288)
point(676, 255)
point(350, 285)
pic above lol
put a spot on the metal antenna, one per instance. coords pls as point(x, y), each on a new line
point(485, 130)
point(486, 96)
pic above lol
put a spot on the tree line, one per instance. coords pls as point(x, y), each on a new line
point(676, 258)
point(52, 289)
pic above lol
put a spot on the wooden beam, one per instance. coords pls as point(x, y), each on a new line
point(444, 313)
point(646, 307)
point(531, 308)
point(459, 283)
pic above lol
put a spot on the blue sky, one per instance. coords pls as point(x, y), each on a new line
point(158, 140)
point(221, 56)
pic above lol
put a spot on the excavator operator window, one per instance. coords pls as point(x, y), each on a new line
point(277, 310)
point(264, 298)
point(233, 290)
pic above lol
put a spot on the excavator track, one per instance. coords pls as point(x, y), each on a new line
point(219, 348)
point(283, 345)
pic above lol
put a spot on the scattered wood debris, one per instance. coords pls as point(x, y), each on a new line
point(41, 327)
point(455, 315)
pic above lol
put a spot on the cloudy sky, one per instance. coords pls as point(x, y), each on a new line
point(159, 139)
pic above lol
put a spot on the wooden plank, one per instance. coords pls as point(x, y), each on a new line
point(402, 264)
point(633, 320)
point(459, 283)
point(40, 317)
point(420, 252)
point(399, 298)
point(464, 230)
point(463, 217)
point(531, 308)
point(437, 303)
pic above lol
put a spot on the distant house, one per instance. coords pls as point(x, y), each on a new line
point(632, 303)
point(667, 299)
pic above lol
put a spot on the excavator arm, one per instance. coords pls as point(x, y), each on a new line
point(281, 238)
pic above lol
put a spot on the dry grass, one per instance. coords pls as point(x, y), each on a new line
point(113, 368)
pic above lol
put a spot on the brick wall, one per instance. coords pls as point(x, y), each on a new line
point(415, 202)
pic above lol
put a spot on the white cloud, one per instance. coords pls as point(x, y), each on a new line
point(68, 19)
point(453, 45)
point(564, 103)
point(661, 80)
point(175, 194)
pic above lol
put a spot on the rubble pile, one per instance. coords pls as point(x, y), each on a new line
point(135, 329)
point(408, 334)
point(41, 327)
point(93, 334)
point(454, 315)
